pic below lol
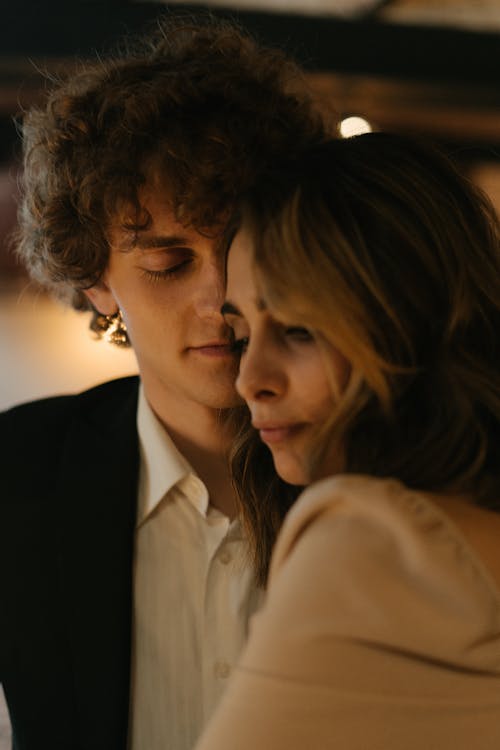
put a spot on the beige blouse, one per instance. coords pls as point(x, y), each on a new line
point(381, 631)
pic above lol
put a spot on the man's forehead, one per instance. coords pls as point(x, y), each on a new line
point(153, 224)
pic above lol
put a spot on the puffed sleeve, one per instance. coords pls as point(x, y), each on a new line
point(369, 638)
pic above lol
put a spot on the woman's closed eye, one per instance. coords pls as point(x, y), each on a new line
point(240, 345)
point(298, 333)
point(293, 333)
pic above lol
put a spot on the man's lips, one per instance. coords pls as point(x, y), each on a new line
point(272, 433)
point(214, 349)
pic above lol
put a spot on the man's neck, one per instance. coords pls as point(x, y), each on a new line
point(210, 463)
point(198, 434)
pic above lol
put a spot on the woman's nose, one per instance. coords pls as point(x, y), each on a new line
point(260, 377)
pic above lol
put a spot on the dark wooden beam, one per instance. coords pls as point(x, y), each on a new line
point(52, 29)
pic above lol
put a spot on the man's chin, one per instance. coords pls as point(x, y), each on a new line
point(230, 402)
point(217, 393)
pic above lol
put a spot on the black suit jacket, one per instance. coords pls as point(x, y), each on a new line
point(68, 479)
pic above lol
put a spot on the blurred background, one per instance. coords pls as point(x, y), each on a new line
point(430, 67)
point(423, 66)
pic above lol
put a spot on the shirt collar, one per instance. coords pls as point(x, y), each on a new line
point(162, 466)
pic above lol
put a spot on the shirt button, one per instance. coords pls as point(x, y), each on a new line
point(222, 670)
point(225, 557)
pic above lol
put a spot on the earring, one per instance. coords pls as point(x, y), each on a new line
point(112, 328)
point(116, 330)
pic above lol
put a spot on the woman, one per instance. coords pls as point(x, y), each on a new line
point(364, 295)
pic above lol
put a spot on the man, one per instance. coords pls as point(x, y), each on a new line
point(125, 593)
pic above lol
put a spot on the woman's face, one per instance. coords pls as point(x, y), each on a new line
point(283, 373)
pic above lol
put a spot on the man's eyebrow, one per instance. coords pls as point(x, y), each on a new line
point(229, 309)
point(151, 242)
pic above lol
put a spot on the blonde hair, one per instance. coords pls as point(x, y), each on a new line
point(379, 245)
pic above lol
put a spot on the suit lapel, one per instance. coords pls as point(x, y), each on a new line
point(97, 495)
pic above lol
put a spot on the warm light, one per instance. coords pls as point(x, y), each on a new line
point(354, 126)
point(47, 349)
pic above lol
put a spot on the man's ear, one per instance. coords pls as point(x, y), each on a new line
point(102, 299)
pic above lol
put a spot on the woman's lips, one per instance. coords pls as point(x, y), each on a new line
point(272, 434)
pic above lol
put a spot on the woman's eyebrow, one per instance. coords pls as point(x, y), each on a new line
point(229, 309)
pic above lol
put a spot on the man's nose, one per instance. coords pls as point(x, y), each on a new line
point(212, 289)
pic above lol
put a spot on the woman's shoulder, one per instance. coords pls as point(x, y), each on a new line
point(416, 524)
point(354, 502)
point(377, 557)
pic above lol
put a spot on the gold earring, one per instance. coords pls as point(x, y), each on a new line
point(116, 330)
point(112, 328)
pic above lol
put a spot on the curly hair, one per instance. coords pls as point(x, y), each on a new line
point(379, 245)
point(198, 102)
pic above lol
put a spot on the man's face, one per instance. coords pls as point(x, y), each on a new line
point(169, 283)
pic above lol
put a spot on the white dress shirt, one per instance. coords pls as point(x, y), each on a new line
point(193, 597)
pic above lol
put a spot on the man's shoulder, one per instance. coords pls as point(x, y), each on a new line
point(39, 420)
point(51, 445)
point(64, 406)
